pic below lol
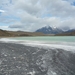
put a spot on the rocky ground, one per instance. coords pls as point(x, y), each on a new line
point(16, 59)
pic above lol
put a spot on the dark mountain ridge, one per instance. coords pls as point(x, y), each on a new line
point(44, 31)
point(56, 31)
point(67, 33)
point(49, 30)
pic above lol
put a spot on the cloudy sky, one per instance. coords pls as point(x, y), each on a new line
point(29, 15)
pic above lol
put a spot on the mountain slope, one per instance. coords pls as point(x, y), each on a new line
point(4, 33)
point(49, 30)
point(67, 33)
point(71, 30)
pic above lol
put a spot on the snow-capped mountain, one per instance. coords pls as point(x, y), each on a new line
point(49, 30)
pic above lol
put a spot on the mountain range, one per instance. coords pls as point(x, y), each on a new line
point(55, 30)
point(44, 31)
point(50, 30)
point(67, 33)
point(5, 33)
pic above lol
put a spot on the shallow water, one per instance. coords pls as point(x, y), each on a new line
point(48, 38)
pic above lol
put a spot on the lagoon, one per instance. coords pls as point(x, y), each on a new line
point(48, 38)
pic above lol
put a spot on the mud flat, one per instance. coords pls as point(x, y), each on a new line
point(17, 59)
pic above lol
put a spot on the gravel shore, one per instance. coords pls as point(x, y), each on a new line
point(16, 59)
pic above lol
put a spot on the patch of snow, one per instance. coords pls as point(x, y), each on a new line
point(54, 28)
point(32, 73)
point(5, 55)
point(14, 57)
point(53, 73)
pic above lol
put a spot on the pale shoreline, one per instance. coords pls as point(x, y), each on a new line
point(68, 46)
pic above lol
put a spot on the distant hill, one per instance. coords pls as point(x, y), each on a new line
point(67, 33)
point(4, 33)
point(49, 30)
point(70, 30)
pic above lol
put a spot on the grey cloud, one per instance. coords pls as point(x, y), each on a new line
point(30, 13)
point(53, 22)
point(32, 23)
point(16, 25)
point(60, 8)
point(28, 7)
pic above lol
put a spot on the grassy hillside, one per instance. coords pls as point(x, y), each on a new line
point(4, 33)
